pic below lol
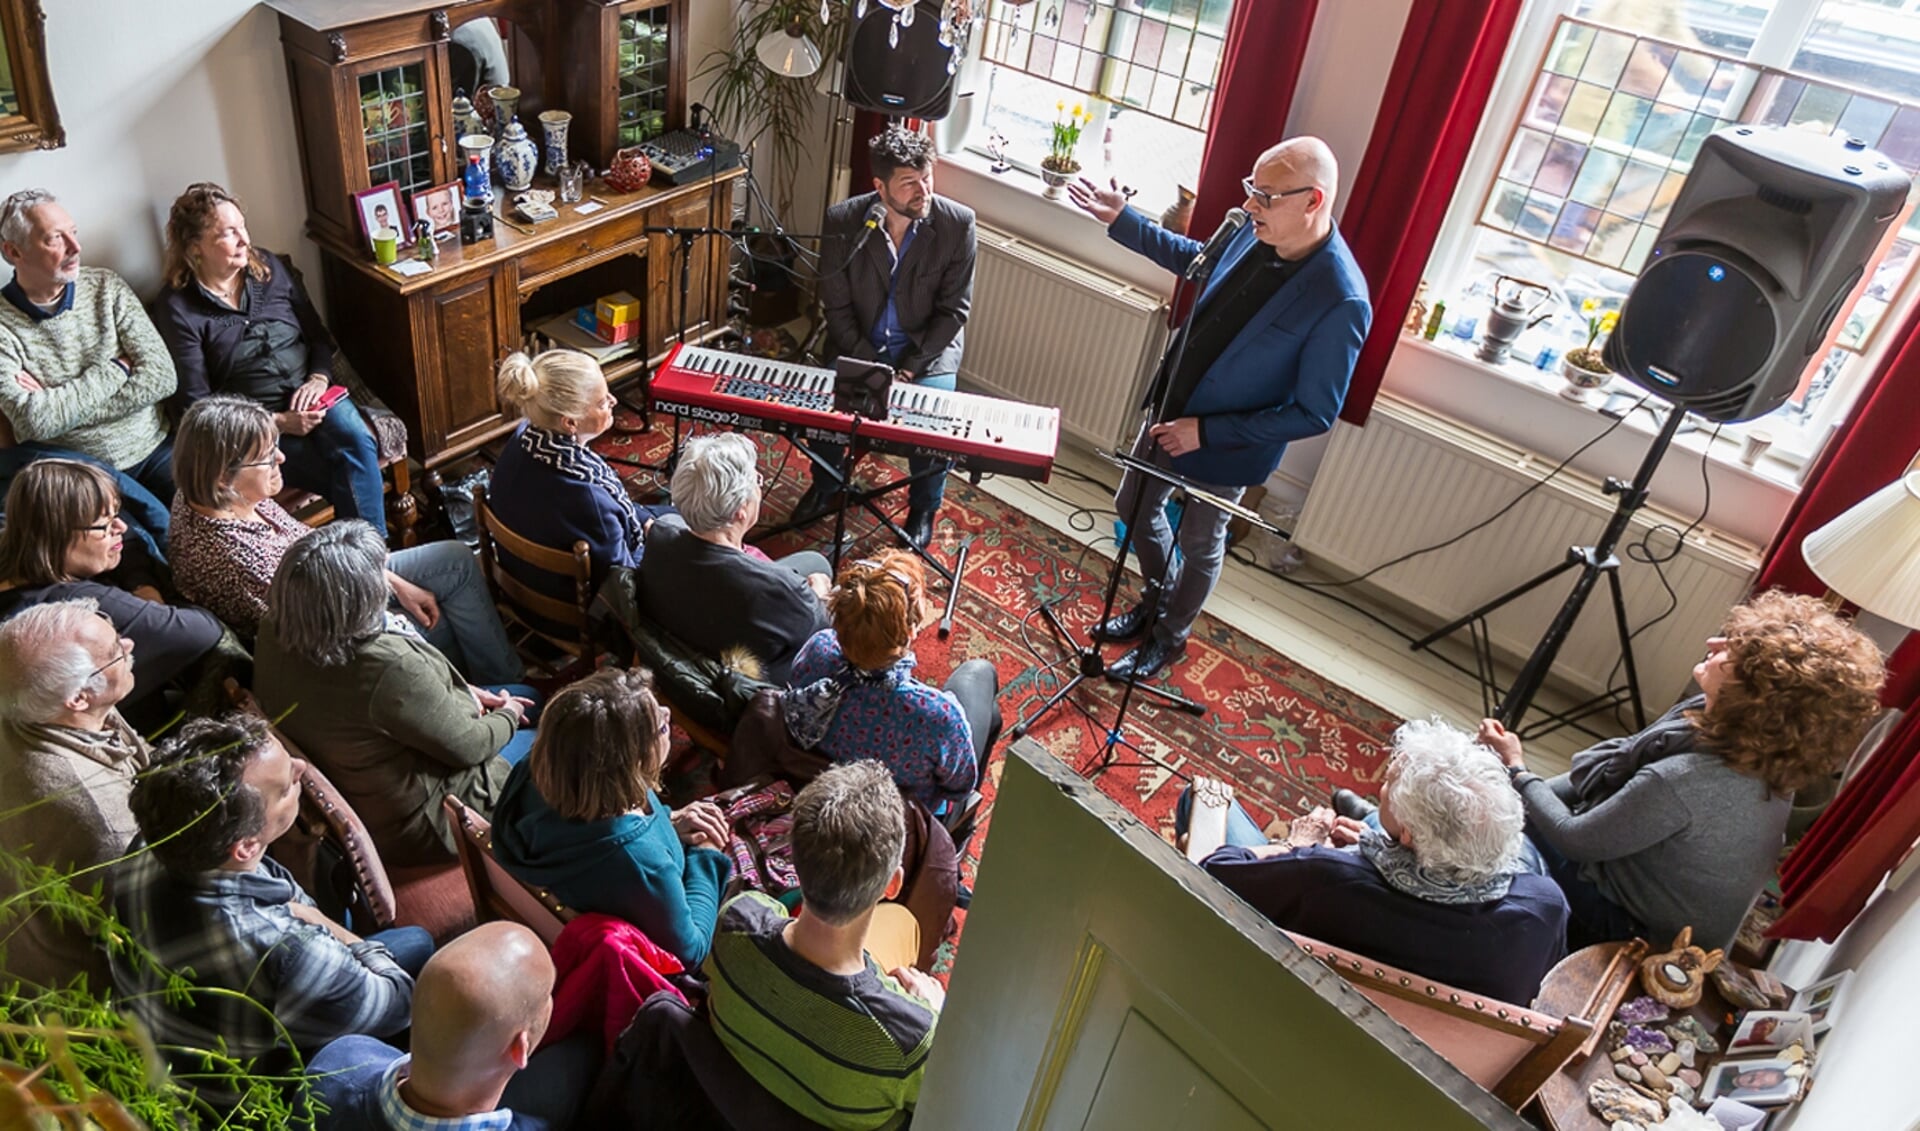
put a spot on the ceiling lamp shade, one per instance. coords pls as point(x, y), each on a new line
point(787, 51)
point(1871, 554)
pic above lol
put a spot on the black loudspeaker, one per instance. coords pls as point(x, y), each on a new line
point(908, 79)
point(1770, 233)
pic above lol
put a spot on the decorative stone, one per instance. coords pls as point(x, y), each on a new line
point(1653, 1078)
point(1670, 1063)
point(1796, 1070)
point(1641, 1010)
point(1637, 1059)
point(1794, 1052)
point(1614, 1101)
point(1687, 1052)
point(1691, 1078)
point(1688, 1028)
point(1681, 1117)
point(1683, 1090)
point(1649, 1040)
point(1627, 1072)
point(1736, 987)
point(1625, 1125)
point(1621, 1053)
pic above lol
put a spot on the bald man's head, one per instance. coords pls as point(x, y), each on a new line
point(475, 998)
point(1295, 220)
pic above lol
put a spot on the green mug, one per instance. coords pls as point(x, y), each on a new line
point(386, 245)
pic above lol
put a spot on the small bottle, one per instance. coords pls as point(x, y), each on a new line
point(1548, 359)
point(477, 182)
point(1434, 320)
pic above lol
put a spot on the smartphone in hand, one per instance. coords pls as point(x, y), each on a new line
point(333, 396)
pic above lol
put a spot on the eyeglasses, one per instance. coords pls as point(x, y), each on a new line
point(1264, 198)
point(272, 459)
point(103, 528)
point(125, 653)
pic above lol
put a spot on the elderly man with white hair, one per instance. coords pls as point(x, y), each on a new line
point(700, 581)
point(1431, 883)
point(67, 762)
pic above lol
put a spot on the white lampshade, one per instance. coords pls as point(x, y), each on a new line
point(787, 51)
point(1871, 554)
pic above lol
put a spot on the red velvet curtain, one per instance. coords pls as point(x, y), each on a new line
point(1861, 836)
point(1442, 77)
point(1266, 43)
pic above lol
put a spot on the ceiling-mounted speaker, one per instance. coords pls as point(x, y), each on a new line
point(1770, 233)
point(900, 71)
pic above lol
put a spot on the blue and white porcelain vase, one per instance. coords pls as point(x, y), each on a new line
point(554, 124)
point(518, 156)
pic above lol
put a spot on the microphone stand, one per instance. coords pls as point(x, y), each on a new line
point(1089, 662)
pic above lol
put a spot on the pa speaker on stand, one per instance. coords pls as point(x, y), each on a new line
point(900, 69)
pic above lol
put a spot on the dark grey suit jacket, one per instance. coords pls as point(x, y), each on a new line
point(934, 295)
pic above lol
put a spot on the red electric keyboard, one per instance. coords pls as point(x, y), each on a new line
point(985, 434)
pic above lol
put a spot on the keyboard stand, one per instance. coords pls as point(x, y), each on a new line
point(842, 475)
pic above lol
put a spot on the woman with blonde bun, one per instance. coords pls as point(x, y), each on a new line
point(550, 485)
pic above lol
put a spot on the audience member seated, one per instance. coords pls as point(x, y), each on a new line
point(201, 898)
point(823, 1009)
point(1681, 824)
point(741, 600)
point(387, 718)
point(229, 536)
point(64, 538)
point(549, 485)
point(1430, 883)
point(582, 817)
point(84, 371)
point(237, 321)
point(67, 762)
point(854, 696)
point(479, 1009)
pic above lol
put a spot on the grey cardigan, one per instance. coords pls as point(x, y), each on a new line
point(1686, 840)
point(935, 291)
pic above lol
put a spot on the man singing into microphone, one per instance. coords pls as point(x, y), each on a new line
point(1267, 359)
point(896, 282)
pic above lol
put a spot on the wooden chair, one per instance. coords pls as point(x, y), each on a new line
point(1509, 1050)
point(531, 615)
point(496, 893)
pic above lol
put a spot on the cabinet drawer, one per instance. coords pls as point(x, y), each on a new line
point(580, 249)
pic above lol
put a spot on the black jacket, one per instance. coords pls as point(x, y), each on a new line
point(215, 347)
point(935, 291)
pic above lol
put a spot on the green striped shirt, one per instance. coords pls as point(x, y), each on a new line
point(846, 1052)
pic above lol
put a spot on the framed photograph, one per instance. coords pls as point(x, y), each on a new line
point(1765, 1030)
point(379, 207)
point(439, 206)
point(1761, 1083)
point(1821, 1001)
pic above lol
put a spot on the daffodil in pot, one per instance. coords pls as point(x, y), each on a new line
point(1059, 165)
point(1584, 368)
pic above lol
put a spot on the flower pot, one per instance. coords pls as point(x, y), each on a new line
point(1056, 180)
point(1581, 378)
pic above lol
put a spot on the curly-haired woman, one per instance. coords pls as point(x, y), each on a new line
point(1681, 824)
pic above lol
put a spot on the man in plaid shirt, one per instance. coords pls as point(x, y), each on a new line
point(205, 902)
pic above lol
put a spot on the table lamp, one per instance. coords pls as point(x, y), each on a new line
point(1870, 555)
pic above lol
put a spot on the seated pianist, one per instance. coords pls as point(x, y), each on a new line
point(1431, 883)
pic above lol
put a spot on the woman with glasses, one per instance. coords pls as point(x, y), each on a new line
point(64, 540)
point(854, 697)
point(237, 321)
point(582, 817)
point(549, 485)
point(229, 536)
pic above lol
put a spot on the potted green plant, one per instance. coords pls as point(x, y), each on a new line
point(1059, 165)
point(1584, 368)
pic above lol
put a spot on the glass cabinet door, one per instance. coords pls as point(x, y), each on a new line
point(396, 127)
point(642, 67)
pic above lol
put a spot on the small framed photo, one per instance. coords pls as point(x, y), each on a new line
point(1821, 1001)
point(379, 207)
point(1765, 1030)
point(1761, 1083)
point(439, 206)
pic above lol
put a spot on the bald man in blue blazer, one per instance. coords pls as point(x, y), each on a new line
point(1268, 356)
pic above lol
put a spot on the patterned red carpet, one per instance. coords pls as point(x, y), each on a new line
point(1282, 735)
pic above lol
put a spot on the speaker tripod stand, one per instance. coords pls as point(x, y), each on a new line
point(1593, 562)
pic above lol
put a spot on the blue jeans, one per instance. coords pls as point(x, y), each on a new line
point(1592, 917)
point(469, 631)
point(339, 461)
point(411, 946)
point(1241, 831)
point(515, 751)
point(144, 510)
point(923, 494)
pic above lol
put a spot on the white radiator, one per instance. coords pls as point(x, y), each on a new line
point(1049, 331)
point(1411, 479)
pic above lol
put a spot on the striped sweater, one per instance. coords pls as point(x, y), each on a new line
point(89, 404)
point(846, 1052)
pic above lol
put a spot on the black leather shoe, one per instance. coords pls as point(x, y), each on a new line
point(820, 498)
point(919, 527)
point(1147, 659)
point(1130, 624)
point(1347, 803)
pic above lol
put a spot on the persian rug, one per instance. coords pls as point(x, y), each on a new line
point(1282, 735)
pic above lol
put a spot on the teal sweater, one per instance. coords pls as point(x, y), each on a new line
point(632, 866)
point(89, 404)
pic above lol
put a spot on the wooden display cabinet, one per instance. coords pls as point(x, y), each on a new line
point(372, 92)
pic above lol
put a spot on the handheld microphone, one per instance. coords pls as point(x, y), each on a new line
point(1203, 263)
